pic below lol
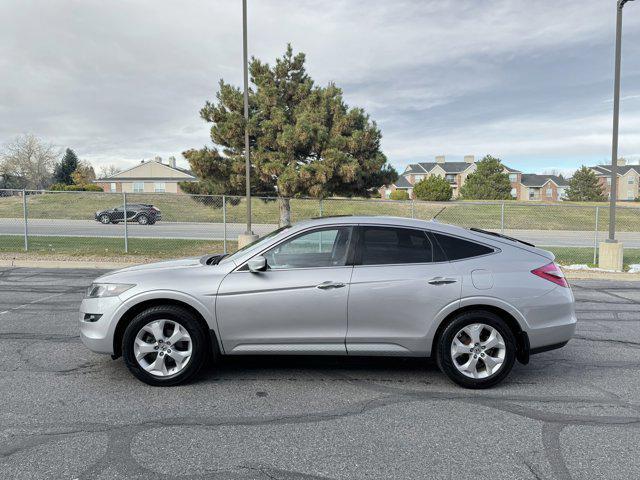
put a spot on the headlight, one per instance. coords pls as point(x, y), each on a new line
point(99, 290)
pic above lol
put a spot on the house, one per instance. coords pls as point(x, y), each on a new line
point(628, 179)
point(151, 176)
point(454, 172)
point(546, 188)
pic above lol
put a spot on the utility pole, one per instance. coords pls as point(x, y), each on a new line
point(613, 253)
point(248, 236)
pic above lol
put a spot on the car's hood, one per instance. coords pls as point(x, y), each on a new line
point(150, 268)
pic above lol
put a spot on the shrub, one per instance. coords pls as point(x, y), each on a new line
point(433, 188)
point(399, 195)
point(89, 187)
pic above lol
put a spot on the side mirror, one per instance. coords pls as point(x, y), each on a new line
point(257, 264)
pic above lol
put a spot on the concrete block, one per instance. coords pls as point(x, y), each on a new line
point(610, 256)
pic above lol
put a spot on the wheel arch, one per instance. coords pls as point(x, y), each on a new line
point(522, 339)
point(136, 308)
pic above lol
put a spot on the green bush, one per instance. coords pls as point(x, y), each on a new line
point(434, 189)
point(89, 187)
point(399, 195)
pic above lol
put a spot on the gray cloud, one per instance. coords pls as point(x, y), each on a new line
point(528, 81)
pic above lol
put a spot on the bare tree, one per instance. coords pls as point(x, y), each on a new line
point(30, 158)
point(109, 171)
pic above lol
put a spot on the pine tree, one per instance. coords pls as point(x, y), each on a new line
point(63, 170)
point(585, 187)
point(433, 188)
point(305, 140)
point(488, 182)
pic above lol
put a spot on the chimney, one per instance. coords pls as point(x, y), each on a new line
point(158, 159)
point(172, 162)
point(469, 159)
point(439, 158)
point(622, 162)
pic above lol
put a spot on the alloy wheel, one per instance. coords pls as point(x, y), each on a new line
point(105, 219)
point(478, 350)
point(163, 348)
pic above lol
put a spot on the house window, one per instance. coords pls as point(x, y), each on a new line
point(112, 187)
point(609, 181)
point(159, 187)
point(549, 192)
point(630, 181)
point(513, 177)
point(138, 187)
point(514, 193)
point(532, 194)
point(450, 178)
point(630, 196)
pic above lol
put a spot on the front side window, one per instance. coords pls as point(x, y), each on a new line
point(138, 187)
point(327, 247)
point(456, 248)
point(391, 245)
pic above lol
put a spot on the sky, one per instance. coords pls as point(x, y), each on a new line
point(530, 82)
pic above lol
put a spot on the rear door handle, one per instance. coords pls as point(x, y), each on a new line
point(441, 281)
point(328, 285)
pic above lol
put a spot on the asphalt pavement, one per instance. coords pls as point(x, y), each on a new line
point(216, 231)
point(68, 413)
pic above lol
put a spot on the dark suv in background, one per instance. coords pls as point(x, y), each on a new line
point(142, 213)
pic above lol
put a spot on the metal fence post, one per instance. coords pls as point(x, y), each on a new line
point(595, 238)
point(126, 232)
point(320, 206)
point(224, 224)
point(502, 219)
point(26, 222)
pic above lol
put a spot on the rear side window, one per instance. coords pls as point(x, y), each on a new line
point(457, 249)
point(388, 245)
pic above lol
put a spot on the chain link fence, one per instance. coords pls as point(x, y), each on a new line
point(69, 224)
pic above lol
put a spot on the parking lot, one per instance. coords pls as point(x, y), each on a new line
point(68, 413)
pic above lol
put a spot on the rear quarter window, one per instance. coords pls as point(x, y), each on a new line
point(456, 248)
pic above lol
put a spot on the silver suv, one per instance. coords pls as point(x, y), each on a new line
point(474, 300)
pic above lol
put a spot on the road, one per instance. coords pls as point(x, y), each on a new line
point(68, 413)
point(215, 231)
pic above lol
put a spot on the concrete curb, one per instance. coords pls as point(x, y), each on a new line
point(18, 263)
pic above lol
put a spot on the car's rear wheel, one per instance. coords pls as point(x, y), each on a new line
point(143, 220)
point(164, 345)
point(105, 219)
point(477, 349)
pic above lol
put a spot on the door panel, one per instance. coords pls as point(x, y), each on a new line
point(391, 307)
point(284, 311)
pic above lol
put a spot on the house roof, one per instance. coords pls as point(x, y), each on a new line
point(448, 167)
point(533, 180)
point(605, 170)
point(151, 170)
point(402, 183)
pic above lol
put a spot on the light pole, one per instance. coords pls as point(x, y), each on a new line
point(248, 236)
point(611, 251)
point(616, 114)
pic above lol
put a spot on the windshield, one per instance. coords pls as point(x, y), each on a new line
point(259, 241)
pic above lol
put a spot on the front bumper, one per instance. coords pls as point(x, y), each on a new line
point(98, 336)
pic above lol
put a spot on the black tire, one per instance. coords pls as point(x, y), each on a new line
point(143, 219)
point(444, 341)
point(200, 345)
point(105, 219)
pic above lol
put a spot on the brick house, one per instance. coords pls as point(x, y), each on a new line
point(454, 172)
point(545, 188)
point(151, 176)
point(628, 179)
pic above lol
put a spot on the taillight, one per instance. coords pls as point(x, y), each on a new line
point(552, 273)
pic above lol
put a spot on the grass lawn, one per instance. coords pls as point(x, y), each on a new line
point(152, 248)
point(96, 247)
point(184, 208)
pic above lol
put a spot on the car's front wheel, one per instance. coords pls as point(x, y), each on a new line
point(105, 219)
point(477, 349)
point(164, 345)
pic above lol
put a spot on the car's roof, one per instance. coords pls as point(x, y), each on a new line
point(383, 220)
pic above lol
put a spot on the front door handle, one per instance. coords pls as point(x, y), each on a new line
point(328, 285)
point(441, 281)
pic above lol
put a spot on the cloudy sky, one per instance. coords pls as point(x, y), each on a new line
point(529, 81)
